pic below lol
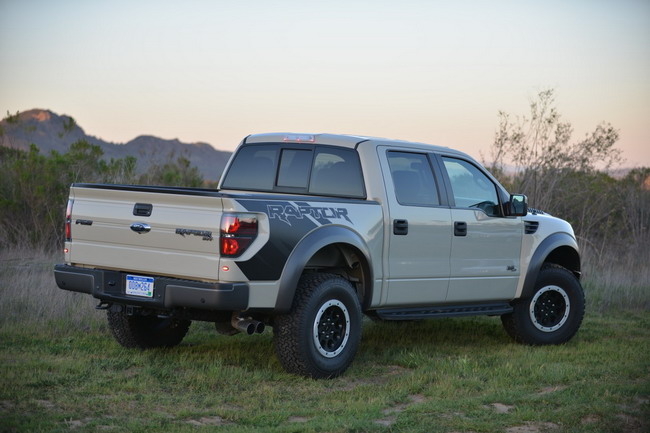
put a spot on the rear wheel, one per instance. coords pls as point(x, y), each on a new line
point(319, 337)
point(145, 332)
point(554, 312)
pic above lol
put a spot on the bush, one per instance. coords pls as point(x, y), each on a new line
point(34, 188)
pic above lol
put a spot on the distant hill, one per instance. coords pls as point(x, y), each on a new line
point(50, 131)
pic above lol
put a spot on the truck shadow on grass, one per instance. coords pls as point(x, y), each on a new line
point(382, 342)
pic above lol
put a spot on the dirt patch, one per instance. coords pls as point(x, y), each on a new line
point(417, 398)
point(380, 379)
point(395, 370)
point(298, 419)
point(590, 419)
point(395, 410)
point(45, 404)
point(533, 427)
point(163, 414)
point(351, 385)
point(231, 407)
point(132, 372)
point(640, 401)
point(551, 389)
point(6, 406)
point(631, 424)
point(453, 415)
point(209, 421)
point(386, 422)
point(500, 407)
point(77, 423)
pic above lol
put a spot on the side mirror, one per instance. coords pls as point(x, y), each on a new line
point(517, 206)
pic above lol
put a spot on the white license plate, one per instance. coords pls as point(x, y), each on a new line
point(139, 286)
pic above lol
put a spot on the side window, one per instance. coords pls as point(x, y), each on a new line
point(259, 160)
point(336, 172)
point(471, 188)
point(413, 179)
point(294, 168)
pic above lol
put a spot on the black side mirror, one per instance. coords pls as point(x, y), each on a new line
point(517, 206)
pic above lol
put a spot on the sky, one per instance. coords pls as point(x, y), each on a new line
point(431, 71)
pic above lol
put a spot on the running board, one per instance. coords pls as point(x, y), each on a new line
point(444, 311)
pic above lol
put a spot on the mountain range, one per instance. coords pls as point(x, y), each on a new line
point(50, 131)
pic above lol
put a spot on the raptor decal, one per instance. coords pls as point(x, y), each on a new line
point(298, 211)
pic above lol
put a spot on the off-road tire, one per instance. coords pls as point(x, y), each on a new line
point(146, 332)
point(319, 337)
point(554, 312)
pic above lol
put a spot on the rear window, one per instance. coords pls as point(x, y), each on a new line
point(253, 168)
point(318, 170)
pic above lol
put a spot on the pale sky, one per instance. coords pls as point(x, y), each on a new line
point(431, 71)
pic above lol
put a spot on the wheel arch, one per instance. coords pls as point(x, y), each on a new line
point(327, 248)
point(560, 249)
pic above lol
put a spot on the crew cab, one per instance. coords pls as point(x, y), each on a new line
point(307, 233)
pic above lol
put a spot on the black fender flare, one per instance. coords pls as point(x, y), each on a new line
point(543, 251)
point(310, 245)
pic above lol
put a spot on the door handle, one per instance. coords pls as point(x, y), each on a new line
point(400, 227)
point(460, 228)
point(140, 228)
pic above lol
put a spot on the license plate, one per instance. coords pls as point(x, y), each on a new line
point(139, 286)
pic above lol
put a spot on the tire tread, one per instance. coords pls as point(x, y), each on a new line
point(290, 348)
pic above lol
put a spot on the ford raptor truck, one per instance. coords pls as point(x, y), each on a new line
point(306, 234)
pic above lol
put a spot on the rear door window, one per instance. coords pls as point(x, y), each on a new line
point(336, 171)
point(413, 179)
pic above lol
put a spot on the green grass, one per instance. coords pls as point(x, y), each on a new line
point(61, 370)
point(435, 376)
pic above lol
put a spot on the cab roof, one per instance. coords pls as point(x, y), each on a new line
point(343, 140)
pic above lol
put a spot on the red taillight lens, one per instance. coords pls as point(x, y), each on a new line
point(239, 224)
point(68, 221)
point(238, 231)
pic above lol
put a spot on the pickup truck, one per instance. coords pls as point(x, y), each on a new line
point(309, 233)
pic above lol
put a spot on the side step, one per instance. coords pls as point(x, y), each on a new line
point(444, 311)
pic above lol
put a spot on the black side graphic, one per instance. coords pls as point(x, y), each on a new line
point(286, 230)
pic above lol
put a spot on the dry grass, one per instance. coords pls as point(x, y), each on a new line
point(30, 295)
point(618, 279)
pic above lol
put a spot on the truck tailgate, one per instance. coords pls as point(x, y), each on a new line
point(108, 232)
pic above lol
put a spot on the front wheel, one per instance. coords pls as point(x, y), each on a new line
point(554, 312)
point(319, 337)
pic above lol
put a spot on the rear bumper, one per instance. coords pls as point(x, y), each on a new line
point(168, 292)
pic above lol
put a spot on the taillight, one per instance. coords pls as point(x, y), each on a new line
point(68, 221)
point(238, 231)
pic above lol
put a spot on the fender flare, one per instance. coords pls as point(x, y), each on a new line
point(545, 248)
point(303, 252)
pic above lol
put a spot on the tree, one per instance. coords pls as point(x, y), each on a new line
point(541, 152)
point(536, 156)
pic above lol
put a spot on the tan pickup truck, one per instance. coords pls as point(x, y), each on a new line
point(306, 234)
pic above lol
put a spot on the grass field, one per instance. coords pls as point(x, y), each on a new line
point(60, 370)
